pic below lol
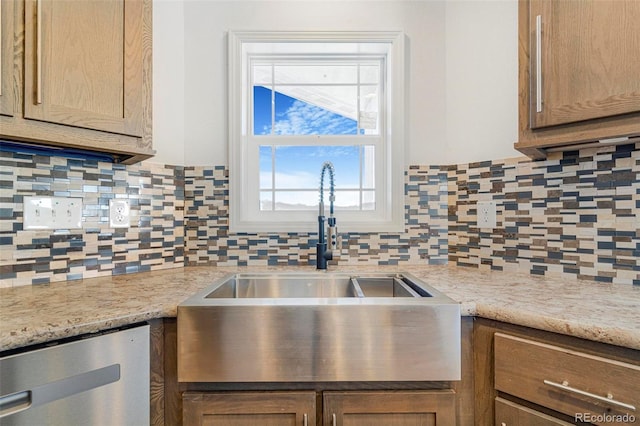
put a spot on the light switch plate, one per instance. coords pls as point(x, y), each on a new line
point(486, 214)
point(52, 213)
point(119, 213)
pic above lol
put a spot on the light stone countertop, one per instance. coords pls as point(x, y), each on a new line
point(608, 313)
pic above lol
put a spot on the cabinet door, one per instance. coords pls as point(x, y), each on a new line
point(250, 408)
point(84, 64)
point(584, 60)
point(389, 408)
point(512, 414)
point(6, 57)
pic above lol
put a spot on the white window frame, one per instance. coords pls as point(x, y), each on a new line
point(245, 214)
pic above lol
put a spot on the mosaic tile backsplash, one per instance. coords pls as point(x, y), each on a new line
point(155, 239)
point(574, 214)
point(209, 241)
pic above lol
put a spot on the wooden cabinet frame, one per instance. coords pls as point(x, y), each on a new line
point(7, 35)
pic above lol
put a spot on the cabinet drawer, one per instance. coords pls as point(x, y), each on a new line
point(511, 414)
point(568, 381)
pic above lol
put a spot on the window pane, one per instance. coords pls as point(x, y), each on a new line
point(262, 75)
point(316, 73)
point(266, 200)
point(369, 109)
point(346, 200)
point(369, 74)
point(299, 167)
point(309, 200)
point(266, 176)
point(261, 110)
point(296, 200)
point(294, 116)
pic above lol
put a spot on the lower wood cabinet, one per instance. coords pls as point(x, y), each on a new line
point(389, 408)
point(250, 408)
point(529, 377)
point(352, 408)
point(566, 380)
point(511, 414)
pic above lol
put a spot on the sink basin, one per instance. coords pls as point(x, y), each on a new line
point(287, 286)
point(309, 285)
point(318, 327)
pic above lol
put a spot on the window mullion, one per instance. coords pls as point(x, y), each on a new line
point(360, 174)
point(273, 178)
point(358, 99)
point(273, 99)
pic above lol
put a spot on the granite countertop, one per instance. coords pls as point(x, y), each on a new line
point(608, 313)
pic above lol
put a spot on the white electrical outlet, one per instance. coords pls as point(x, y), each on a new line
point(119, 213)
point(52, 213)
point(486, 214)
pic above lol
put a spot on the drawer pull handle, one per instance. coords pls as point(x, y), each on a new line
point(608, 399)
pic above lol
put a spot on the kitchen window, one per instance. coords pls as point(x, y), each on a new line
point(297, 100)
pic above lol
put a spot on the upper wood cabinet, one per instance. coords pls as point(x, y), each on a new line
point(84, 80)
point(579, 72)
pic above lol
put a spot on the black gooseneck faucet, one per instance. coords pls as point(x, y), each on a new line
point(324, 253)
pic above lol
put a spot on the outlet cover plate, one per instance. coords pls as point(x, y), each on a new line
point(119, 213)
point(486, 214)
point(52, 212)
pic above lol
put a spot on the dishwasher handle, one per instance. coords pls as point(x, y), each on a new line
point(59, 389)
point(14, 403)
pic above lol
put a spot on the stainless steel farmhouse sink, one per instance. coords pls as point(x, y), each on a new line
point(318, 327)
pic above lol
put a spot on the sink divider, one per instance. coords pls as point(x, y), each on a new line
point(404, 285)
point(356, 287)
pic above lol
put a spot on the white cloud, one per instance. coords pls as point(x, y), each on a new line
point(305, 119)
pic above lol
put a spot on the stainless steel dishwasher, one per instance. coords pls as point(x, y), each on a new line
point(97, 380)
